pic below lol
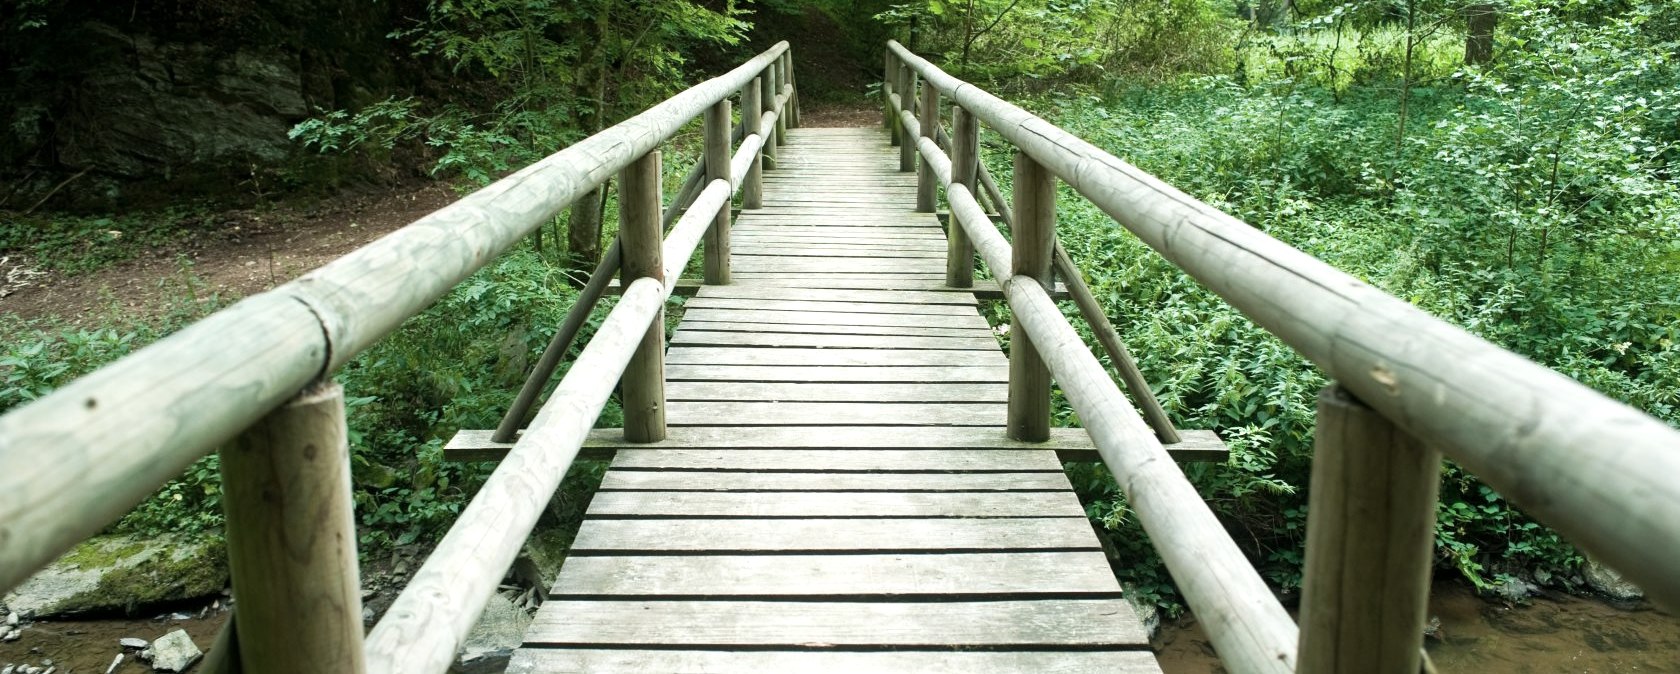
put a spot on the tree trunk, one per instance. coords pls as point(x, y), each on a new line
point(1481, 20)
point(583, 237)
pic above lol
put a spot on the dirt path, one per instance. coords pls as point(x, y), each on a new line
point(248, 251)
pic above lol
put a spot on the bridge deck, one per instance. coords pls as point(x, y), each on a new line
point(837, 493)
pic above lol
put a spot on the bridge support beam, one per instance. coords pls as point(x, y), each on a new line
point(889, 78)
point(927, 184)
point(643, 240)
point(1034, 241)
point(965, 163)
point(717, 168)
point(1370, 539)
point(752, 188)
point(782, 80)
point(291, 539)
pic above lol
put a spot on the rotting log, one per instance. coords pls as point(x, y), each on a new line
point(638, 229)
point(125, 429)
point(1592, 468)
point(1370, 542)
point(291, 539)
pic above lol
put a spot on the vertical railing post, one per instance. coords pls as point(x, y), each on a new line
point(907, 99)
point(767, 103)
point(1033, 245)
point(1370, 540)
point(642, 239)
point(965, 164)
point(889, 78)
point(291, 539)
point(781, 86)
point(717, 168)
point(752, 187)
point(793, 93)
point(927, 185)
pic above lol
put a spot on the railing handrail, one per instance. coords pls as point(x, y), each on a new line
point(117, 434)
point(1598, 471)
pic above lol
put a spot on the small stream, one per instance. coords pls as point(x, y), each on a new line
point(1557, 633)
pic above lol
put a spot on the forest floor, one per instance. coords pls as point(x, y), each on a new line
point(246, 251)
point(243, 251)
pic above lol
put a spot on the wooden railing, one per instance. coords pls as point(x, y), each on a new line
point(74, 461)
point(1408, 384)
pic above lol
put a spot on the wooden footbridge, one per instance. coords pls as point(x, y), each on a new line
point(834, 466)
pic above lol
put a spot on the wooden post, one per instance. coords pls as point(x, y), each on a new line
point(752, 189)
point(1370, 539)
point(793, 94)
point(291, 538)
point(927, 185)
point(643, 240)
point(781, 85)
point(717, 168)
point(1035, 238)
point(907, 99)
point(965, 161)
point(767, 103)
point(889, 75)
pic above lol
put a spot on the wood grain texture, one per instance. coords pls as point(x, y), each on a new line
point(830, 392)
point(737, 414)
point(840, 460)
point(834, 318)
point(834, 504)
point(768, 304)
point(1084, 623)
point(897, 297)
point(674, 480)
point(829, 329)
point(859, 576)
point(643, 381)
point(546, 660)
point(708, 355)
point(832, 535)
point(689, 337)
point(841, 373)
point(291, 539)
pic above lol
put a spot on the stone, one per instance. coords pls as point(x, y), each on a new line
point(133, 642)
point(500, 630)
point(1606, 581)
point(123, 574)
point(539, 562)
point(115, 663)
point(11, 634)
point(1147, 612)
point(174, 652)
point(12, 619)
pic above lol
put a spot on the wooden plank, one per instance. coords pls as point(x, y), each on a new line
point(706, 355)
point(722, 391)
point(833, 535)
point(775, 373)
point(1069, 444)
point(759, 240)
point(831, 252)
point(834, 318)
point(737, 414)
point(1043, 623)
point(765, 304)
point(838, 460)
point(796, 328)
point(686, 337)
point(546, 660)
point(803, 265)
point(834, 504)
point(709, 480)
point(995, 574)
point(898, 297)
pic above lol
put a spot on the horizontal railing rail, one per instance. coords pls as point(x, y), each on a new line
point(1596, 470)
point(77, 459)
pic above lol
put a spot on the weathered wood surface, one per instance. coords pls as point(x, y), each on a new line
point(825, 661)
point(120, 433)
point(839, 451)
point(1592, 468)
point(291, 539)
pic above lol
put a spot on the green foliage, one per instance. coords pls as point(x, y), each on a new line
point(1533, 202)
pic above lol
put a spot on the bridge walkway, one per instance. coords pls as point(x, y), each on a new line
point(836, 492)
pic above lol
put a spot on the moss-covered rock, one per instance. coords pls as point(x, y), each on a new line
point(123, 574)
